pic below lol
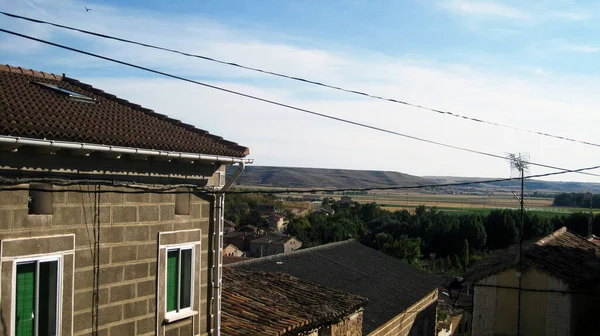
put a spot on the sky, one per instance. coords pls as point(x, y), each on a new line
point(528, 64)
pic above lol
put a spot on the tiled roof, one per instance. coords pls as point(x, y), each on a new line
point(35, 111)
point(273, 238)
point(258, 303)
point(233, 259)
point(390, 285)
point(562, 254)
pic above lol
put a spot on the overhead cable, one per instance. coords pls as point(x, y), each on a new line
point(299, 79)
point(272, 102)
point(7, 186)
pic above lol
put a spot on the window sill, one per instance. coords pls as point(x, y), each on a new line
point(179, 316)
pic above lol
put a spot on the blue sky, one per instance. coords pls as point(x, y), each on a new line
point(528, 64)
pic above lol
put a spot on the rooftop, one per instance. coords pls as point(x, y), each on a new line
point(390, 285)
point(273, 238)
point(40, 105)
point(562, 254)
point(258, 303)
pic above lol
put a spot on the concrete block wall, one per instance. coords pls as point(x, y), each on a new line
point(129, 227)
point(420, 315)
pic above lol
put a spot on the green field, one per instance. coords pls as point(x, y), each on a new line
point(462, 204)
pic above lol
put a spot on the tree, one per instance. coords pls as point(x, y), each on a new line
point(465, 254)
point(456, 262)
point(405, 248)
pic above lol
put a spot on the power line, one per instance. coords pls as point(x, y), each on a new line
point(299, 79)
point(172, 189)
point(272, 102)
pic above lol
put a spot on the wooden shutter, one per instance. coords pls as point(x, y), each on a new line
point(172, 261)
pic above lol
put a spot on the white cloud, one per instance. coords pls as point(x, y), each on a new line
point(580, 48)
point(279, 136)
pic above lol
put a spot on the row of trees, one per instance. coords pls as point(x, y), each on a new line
point(580, 200)
point(451, 242)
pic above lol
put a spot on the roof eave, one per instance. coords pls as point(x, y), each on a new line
point(21, 141)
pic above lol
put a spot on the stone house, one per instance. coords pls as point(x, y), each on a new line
point(273, 243)
point(559, 288)
point(232, 251)
point(259, 303)
point(402, 299)
point(277, 222)
point(110, 213)
point(239, 239)
point(228, 226)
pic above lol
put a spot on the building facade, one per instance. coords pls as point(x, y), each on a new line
point(110, 214)
point(558, 288)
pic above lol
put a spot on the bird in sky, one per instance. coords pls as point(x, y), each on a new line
point(87, 9)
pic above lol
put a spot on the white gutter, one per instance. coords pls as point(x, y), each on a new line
point(19, 141)
point(218, 264)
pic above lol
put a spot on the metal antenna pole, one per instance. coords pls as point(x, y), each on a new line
point(520, 164)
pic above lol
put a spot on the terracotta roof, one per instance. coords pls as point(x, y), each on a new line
point(562, 254)
point(258, 303)
point(31, 110)
point(390, 285)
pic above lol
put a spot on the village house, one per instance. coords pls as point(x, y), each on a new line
point(277, 222)
point(558, 290)
point(273, 243)
point(240, 239)
point(110, 213)
point(402, 299)
point(258, 303)
point(228, 226)
point(232, 251)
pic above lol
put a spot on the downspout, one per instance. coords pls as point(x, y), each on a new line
point(218, 264)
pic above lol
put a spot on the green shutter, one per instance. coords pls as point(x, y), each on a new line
point(25, 299)
point(172, 257)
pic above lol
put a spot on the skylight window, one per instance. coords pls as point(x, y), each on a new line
point(72, 94)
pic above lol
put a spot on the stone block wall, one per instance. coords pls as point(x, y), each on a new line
point(349, 326)
point(129, 228)
point(420, 316)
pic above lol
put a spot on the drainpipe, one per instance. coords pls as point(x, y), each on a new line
point(218, 266)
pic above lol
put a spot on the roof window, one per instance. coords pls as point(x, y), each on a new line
point(72, 94)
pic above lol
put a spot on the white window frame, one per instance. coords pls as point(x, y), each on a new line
point(59, 288)
point(182, 311)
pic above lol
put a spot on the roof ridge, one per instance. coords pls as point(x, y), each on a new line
point(545, 240)
point(29, 72)
point(300, 251)
point(152, 113)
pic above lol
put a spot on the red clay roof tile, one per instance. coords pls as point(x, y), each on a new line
point(29, 110)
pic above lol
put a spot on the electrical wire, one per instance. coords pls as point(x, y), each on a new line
point(172, 189)
point(298, 79)
point(272, 102)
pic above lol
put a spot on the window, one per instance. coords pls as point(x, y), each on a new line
point(36, 298)
point(72, 94)
point(179, 279)
point(182, 201)
point(40, 199)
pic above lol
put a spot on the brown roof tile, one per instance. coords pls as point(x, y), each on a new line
point(258, 303)
point(30, 110)
point(562, 254)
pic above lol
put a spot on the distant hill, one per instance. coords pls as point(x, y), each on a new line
point(302, 178)
point(291, 177)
